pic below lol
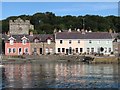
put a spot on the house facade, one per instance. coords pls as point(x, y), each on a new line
point(83, 42)
point(42, 44)
point(98, 42)
point(69, 43)
point(17, 45)
point(29, 45)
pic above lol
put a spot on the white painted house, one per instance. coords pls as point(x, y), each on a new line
point(87, 42)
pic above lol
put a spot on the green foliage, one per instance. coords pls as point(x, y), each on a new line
point(47, 22)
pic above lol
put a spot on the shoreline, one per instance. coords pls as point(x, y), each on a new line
point(61, 58)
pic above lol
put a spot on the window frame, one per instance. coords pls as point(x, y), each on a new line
point(61, 41)
point(59, 50)
point(13, 50)
point(78, 41)
point(11, 42)
point(24, 41)
point(81, 50)
point(70, 41)
point(63, 49)
point(90, 41)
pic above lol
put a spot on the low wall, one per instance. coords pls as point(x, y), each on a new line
point(73, 58)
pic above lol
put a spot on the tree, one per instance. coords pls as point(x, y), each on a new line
point(48, 21)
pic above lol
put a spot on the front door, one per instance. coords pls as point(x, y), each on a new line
point(40, 50)
point(70, 50)
point(67, 51)
point(19, 51)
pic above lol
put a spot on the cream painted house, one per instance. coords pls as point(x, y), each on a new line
point(83, 42)
point(69, 43)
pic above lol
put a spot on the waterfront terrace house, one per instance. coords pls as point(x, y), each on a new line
point(83, 42)
point(17, 45)
point(29, 44)
point(42, 44)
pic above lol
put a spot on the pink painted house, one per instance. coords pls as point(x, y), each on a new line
point(17, 45)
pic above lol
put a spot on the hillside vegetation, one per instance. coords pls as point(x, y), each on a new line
point(47, 22)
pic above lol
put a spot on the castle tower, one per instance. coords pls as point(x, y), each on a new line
point(20, 26)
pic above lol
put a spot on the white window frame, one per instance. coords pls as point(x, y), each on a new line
point(90, 41)
point(78, 41)
point(48, 41)
point(24, 41)
point(11, 42)
point(70, 41)
point(61, 42)
point(25, 50)
point(12, 50)
point(105, 49)
point(109, 50)
point(8, 50)
point(58, 50)
point(46, 50)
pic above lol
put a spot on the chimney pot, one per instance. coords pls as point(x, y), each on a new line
point(31, 33)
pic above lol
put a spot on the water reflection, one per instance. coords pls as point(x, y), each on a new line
point(60, 75)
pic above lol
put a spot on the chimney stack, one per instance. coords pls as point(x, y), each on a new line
point(86, 30)
point(8, 33)
point(78, 30)
point(69, 30)
point(90, 30)
point(31, 33)
point(59, 31)
point(110, 30)
point(83, 32)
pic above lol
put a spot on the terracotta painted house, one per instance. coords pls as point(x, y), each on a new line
point(17, 45)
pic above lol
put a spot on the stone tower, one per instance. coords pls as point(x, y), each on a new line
point(20, 26)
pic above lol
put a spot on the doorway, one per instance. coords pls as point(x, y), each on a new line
point(41, 51)
point(67, 51)
point(19, 51)
point(70, 50)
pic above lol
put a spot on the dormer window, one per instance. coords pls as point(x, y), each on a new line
point(36, 40)
point(11, 39)
point(11, 42)
point(48, 41)
point(24, 41)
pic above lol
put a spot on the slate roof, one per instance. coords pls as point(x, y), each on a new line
point(41, 37)
point(87, 35)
